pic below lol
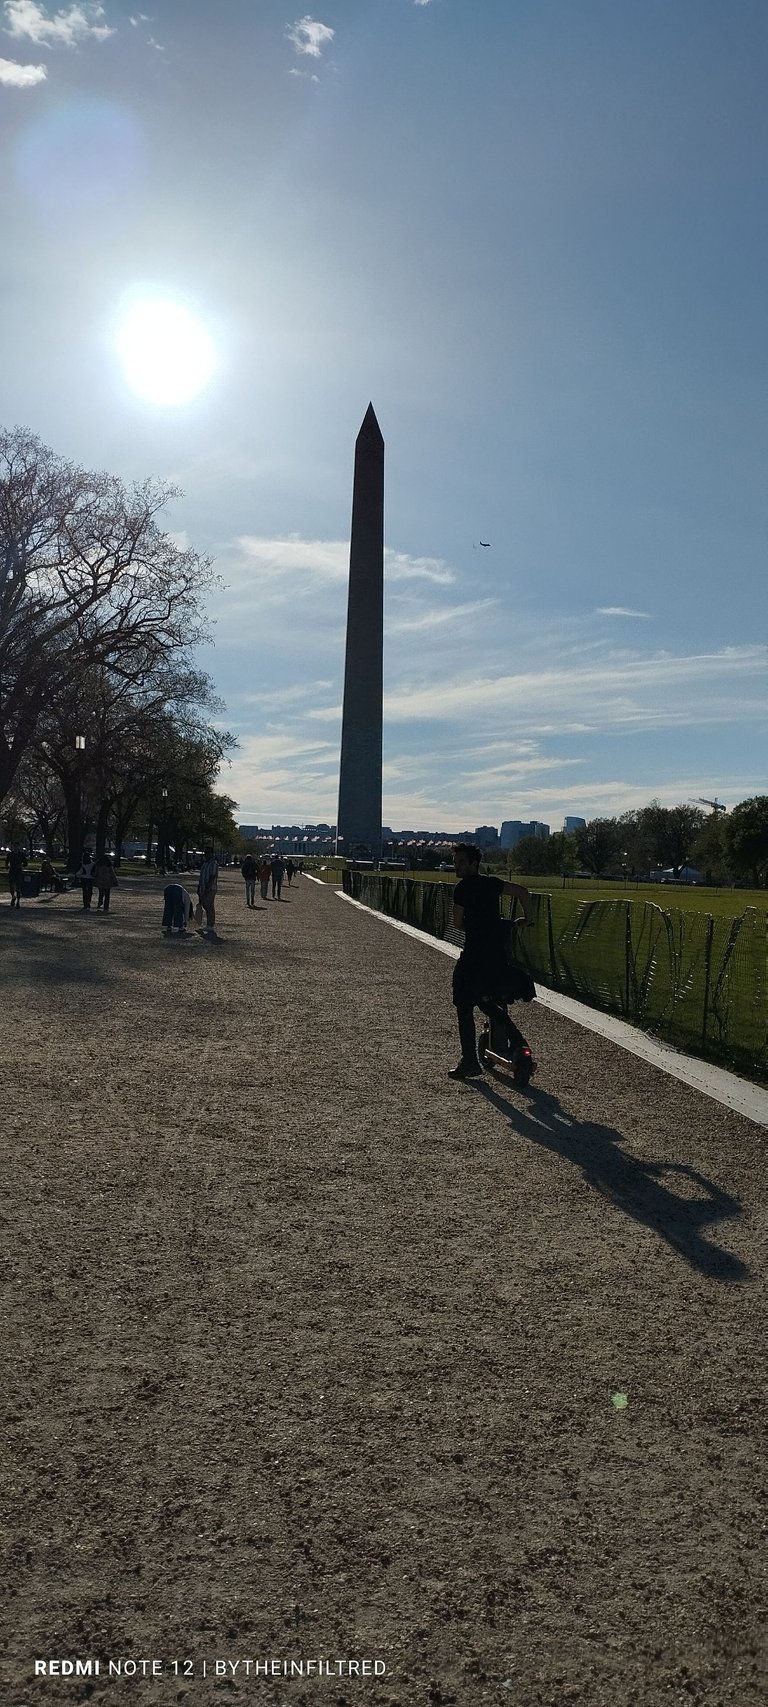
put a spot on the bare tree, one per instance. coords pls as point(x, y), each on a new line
point(133, 732)
point(38, 790)
point(86, 576)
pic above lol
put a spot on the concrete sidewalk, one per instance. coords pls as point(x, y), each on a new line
point(319, 1354)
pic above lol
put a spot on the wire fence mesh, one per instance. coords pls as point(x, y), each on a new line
point(698, 982)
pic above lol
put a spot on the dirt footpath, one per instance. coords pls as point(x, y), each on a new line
point(316, 1355)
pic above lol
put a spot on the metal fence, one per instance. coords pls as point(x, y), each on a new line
point(698, 982)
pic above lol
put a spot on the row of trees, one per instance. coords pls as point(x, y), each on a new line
point(104, 720)
point(724, 847)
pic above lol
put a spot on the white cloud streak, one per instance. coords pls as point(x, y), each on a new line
point(278, 698)
point(597, 696)
point(27, 19)
point(321, 559)
point(399, 566)
point(15, 76)
point(437, 618)
point(621, 610)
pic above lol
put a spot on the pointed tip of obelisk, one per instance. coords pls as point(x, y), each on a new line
point(370, 427)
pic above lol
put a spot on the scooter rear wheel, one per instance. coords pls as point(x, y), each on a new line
point(523, 1066)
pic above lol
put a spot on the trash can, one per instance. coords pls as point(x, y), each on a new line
point(30, 885)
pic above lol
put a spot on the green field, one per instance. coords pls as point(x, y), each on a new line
point(683, 897)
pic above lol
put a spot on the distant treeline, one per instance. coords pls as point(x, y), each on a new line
point(723, 847)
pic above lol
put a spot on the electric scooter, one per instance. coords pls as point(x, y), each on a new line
point(494, 1051)
point(493, 1045)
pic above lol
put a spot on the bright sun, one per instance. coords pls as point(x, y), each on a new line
point(167, 354)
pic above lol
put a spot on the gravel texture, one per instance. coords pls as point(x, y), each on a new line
point(313, 1352)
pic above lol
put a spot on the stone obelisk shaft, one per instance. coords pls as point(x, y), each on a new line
point(359, 820)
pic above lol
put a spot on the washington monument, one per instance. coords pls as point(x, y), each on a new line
point(359, 820)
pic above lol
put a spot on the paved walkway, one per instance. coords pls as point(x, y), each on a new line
point(316, 1354)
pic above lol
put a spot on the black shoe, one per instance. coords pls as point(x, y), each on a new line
point(466, 1070)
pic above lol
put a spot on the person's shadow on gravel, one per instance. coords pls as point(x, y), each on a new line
point(632, 1183)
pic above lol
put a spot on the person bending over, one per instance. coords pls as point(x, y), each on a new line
point(177, 908)
point(481, 974)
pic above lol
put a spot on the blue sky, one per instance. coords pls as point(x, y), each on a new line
point(534, 234)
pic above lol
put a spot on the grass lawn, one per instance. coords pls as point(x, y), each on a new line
point(690, 898)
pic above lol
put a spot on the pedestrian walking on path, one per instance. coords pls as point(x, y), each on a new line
point(178, 908)
point(85, 878)
point(105, 878)
point(289, 871)
point(207, 885)
point(15, 862)
point(248, 870)
point(278, 873)
point(49, 877)
point(481, 975)
point(265, 871)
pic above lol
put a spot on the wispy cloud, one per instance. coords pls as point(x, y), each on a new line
point(278, 698)
point(308, 36)
point(276, 777)
point(27, 19)
point(284, 556)
point(279, 558)
point(399, 566)
point(519, 770)
point(621, 610)
point(21, 76)
point(438, 617)
point(654, 692)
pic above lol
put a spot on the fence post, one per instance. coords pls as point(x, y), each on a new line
point(627, 954)
point(707, 969)
point(551, 940)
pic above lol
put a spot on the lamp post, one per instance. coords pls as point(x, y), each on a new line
point(162, 850)
point(76, 807)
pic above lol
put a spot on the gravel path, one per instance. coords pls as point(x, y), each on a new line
point(313, 1351)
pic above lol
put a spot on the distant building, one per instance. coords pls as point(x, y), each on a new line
point(292, 838)
point(486, 836)
point(513, 830)
point(571, 824)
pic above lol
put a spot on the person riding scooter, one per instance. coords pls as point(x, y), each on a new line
point(481, 974)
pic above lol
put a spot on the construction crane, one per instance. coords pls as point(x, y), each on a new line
point(717, 805)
